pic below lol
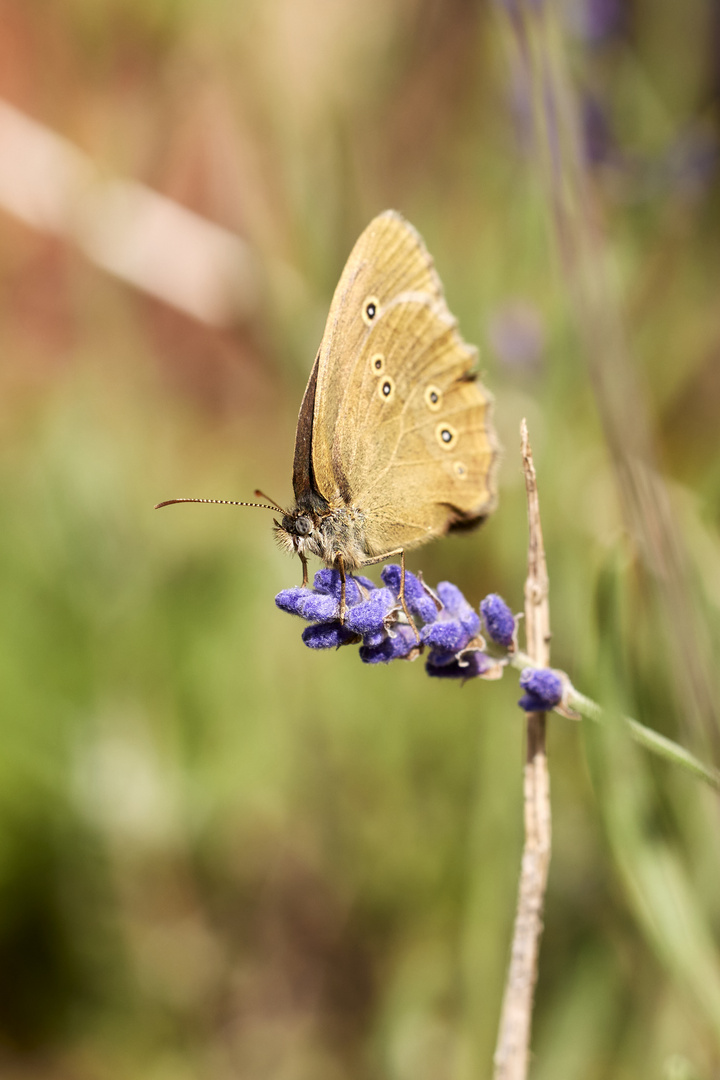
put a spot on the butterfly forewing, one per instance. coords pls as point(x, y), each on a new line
point(389, 258)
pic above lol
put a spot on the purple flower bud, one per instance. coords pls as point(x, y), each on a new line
point(392, 648)
point(453, 600)
point(499, 620)
point(372, 638)
point(455, 626)
point(474, 664)
point(329, 583)
point(369, 615)
point(420, 604)
point(327, 635)
point(289, 599)
point(317, 608)
point(373, 617)
point(441, 658)
point(314, 607)
point(448, 636)
point(543, 689)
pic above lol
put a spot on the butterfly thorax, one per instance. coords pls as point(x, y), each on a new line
point(327, 532)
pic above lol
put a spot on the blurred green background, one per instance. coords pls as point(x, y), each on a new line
point(222, 855)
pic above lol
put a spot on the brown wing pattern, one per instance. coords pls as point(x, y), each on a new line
point(388, 258)
point(415, 448)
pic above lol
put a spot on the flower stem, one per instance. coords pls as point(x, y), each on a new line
point(651, 740)
point(512, 1050)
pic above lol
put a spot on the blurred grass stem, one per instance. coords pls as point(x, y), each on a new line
point(513, 1043)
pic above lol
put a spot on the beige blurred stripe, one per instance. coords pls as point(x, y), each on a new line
point(126, 228)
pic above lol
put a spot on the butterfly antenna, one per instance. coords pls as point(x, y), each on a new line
point(220, 502)
point(262, 495)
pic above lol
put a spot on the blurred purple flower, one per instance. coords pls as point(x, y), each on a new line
point(692, 161)
point(598, 142)
point(520, 107)
point(516, 334)
point(595, 21)
point(515, 7)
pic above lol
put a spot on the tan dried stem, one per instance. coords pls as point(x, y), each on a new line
point(513, 1046)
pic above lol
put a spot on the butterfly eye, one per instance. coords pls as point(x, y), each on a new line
point(377, 364)
point(386, 389)
point(446, 435)
point(303, 526)
point(433, 398)
point(370, 310)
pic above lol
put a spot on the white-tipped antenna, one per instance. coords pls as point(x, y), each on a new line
point(220, 502)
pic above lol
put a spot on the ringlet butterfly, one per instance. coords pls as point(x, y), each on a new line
point(395, 443)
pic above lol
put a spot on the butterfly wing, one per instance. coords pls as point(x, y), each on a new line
point(388, 258)
point(391, 371)
point(415, 449)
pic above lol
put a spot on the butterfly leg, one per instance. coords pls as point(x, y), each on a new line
point(304, 562)
point(343, 605)
point(408, 616)
point(401, 597)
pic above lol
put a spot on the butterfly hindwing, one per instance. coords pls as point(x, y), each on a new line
point(416, 449)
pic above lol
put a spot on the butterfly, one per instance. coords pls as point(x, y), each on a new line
point(395, 443)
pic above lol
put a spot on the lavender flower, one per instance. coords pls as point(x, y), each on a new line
point(313, 606)
point(402, 643)
point(368, 610)
point(499, 620)
point(418, 597)
point(451, 631)
point(543, 689)
point(447, 625)
point(468, 665)
point(328, 635)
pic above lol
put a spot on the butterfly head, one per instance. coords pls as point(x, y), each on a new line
point(298, 532)
point(327, 530)
point(300, 525)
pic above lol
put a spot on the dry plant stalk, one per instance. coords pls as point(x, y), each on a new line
point(513, 1045)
